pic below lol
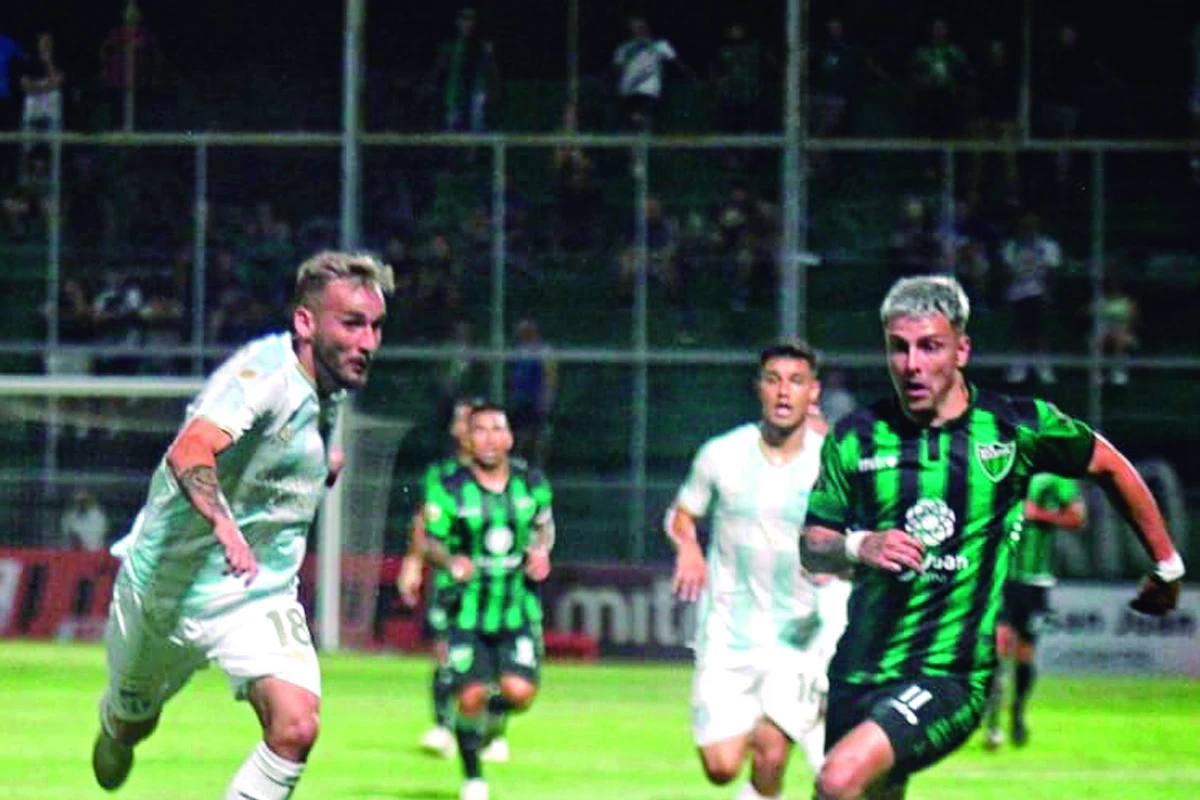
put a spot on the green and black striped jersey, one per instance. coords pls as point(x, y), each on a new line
point(494, 530)
point(1033, 560)
point(958, 489)
point(430, 482)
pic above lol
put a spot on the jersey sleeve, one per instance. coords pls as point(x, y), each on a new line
point(438, 510)
point(696, 493)
point(830, 502)
point(235, 402)
point(666, 50)
point(1058, 443)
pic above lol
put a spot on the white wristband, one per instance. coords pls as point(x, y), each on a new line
point(854, 542)
point(1169, 569)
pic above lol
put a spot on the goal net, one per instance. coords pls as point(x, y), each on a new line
point(67, 438)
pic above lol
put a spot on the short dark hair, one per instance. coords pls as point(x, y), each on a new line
point(488, 406)
point(790, 347)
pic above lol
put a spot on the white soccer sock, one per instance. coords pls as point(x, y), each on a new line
point(264, 776)
point(813, 745)
point(748, 792)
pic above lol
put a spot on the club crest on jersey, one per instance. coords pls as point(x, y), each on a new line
point(499, 540)
point(996, 459)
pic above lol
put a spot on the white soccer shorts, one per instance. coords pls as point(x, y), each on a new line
point(729, 698)
point(147, 665)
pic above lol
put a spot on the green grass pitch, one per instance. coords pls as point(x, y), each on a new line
point(611, 732)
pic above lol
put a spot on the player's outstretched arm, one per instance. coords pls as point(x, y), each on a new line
point(1158, 593)
point(691, 571)
point(192, 459)
point(825, 550)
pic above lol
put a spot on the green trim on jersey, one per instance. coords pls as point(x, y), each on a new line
point(430, 484)
point(494, 530)
point(1033, 560)
point(958, 489)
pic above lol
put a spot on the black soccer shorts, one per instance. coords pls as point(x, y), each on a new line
point(476, 657)
point(925, 718)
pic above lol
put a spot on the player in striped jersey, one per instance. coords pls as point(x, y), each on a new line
point(491, 527)
point(919, 493)
point(1053, 504)
point(210, 568)
point(765, 631)
point(438, 740)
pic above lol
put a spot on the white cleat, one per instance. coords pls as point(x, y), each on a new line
point(439, 742)
point(993, 739)
point(496, 751)
point(474, 789)
point(111, 761)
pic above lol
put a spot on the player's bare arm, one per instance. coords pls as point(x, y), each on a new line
point(1072, 518)
point(691, 570)
point(461, 568)
point(1158, 592)
point(825, 550)
point(192, 459)
point(412, 568)
point(537, 558)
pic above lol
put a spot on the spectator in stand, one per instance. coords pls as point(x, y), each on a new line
point(1117, 314)
point(10, 52)
point(639, 64)
point(913, 246)
point(84, 523)
point(838, 71)
point(437, 293)
point(466, 73)
point(42, 85)
point(532, 388)
point(968, 249)
point(738, 72)
point(744, 236)
point(140, 75)
point(578, 200)
point(1031, 259)
point(997, 114)
point(90, 218)
point(1067, 72)
point(941, 72)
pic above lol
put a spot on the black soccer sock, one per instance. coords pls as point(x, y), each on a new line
point(995, 696)
point(1023, 686)
point(443, 695)
point(469, 733)
point(498, 709)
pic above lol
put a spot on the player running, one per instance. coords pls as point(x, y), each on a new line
point(920, 492)
point(491, 527)
point(765, 631)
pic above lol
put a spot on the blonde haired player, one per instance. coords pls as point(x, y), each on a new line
point(765, 632)
point(210, 568)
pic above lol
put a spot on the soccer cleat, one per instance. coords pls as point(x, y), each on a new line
point(495, 751)
point(993, 739)
point(474, 789)
point(111, 761)
point(439, 741)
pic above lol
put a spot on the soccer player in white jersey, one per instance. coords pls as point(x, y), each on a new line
point(762, 645)
point(209, 569)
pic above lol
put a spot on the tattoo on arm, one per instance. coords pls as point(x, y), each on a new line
point(544, 532)
point(823, 550)
point(203, 490)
